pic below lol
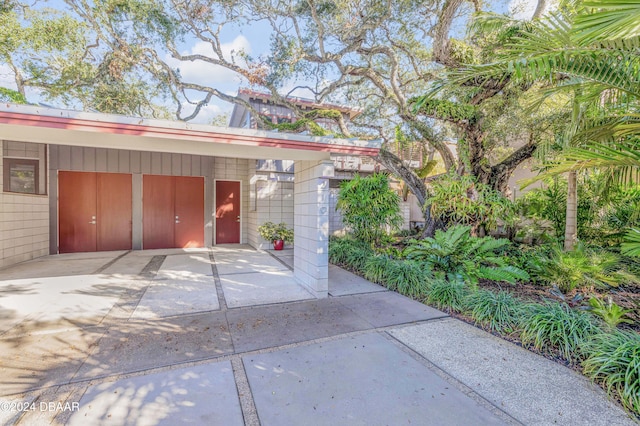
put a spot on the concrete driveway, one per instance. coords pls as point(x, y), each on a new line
point(225, 336)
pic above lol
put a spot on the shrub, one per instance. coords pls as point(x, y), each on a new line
point(580, 267)
point(556, 328)
point(613, 360)
point(498, 310)
point(611, 313)
point(376, 267)
point(405, 277)
point(369, 207)
point(456, 252)
point(408, 278)
point(349, 252)
point(460, 200)
point(448, 294)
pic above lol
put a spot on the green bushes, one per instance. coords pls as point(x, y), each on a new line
point(555, 327)
point(349, 252)
point(369, 207)
point(580, 267)
point(456, 252)
point(613, 360)
point(499, 311)
point(448, 294)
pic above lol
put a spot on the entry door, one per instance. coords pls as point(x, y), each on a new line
point(94, 211)
point(172, 211)
point(227, 212)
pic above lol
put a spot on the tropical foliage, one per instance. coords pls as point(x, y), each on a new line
point(455, 253)
point(369, 207)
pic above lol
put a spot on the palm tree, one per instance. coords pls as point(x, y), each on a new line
point(595, 52)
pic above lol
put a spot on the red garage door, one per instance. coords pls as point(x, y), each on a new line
point(172, 211)
point(94, 211)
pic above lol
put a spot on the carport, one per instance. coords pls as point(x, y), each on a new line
point(106, 182)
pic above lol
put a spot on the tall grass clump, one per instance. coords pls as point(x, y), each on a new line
point(349, 252)
point(498, 310)
point(555, 328)
point(448, 294)
point(408, 278)
point(613, 360)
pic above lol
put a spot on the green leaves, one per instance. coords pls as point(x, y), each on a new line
point(613, 360)
point(455, 252)
point(554, 326)
point(369, 207)
point(631, 245)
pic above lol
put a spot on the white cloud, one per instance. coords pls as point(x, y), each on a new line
point(522, 9)
point(207, 74)
point(6, 77)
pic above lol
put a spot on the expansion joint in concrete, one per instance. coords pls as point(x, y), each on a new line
point(245, 396)
point(443, 374)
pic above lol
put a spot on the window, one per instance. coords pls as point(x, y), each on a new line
point(24, 167)
point(21, 176)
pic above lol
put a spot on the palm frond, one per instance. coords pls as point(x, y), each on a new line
point(631, 245)
point(612, 19)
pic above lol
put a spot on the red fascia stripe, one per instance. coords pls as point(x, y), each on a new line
point(169, 133)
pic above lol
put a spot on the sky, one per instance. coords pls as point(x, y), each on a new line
point(252, 40)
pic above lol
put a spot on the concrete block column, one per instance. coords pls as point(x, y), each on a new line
point(311, 225)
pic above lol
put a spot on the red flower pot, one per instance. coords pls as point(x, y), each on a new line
point(278, 244)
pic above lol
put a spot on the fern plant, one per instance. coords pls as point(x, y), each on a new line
point(456, 252)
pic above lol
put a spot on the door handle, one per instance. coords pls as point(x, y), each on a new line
point(238, 219)
point(177, 219)
point(93, 220)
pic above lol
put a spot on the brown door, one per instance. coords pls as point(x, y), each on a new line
point(94, 211)
point(114, 211)
point(172, 211)
point(77, 215)
point(227, 212)
point(189, 211)
point(158, 199)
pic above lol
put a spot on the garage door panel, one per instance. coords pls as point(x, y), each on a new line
point(189, 211)
point(114, 211)
point(76, 212)
point(158, 195)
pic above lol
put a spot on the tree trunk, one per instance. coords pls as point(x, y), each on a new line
point(571, 225)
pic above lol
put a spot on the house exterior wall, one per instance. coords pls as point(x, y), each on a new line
point(24, 219)
point(311, 225)
point(271, 200)
point(139, 163)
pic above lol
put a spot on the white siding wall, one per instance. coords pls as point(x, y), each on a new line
point(24, 225)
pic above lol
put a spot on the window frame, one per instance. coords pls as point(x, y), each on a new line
point(8, 162)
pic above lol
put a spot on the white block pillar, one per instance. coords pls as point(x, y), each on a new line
point(311, 225)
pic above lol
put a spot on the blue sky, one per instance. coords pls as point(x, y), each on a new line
point(253, 40)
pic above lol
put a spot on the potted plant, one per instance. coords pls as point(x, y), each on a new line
point(277, 234)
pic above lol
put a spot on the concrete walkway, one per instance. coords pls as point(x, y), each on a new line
point(224, 336)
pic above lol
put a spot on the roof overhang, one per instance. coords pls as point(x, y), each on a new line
point(29, 123)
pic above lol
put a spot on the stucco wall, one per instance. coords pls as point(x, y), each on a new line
point(24, 225)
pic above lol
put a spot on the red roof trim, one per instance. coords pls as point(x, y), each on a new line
point(64, 123)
